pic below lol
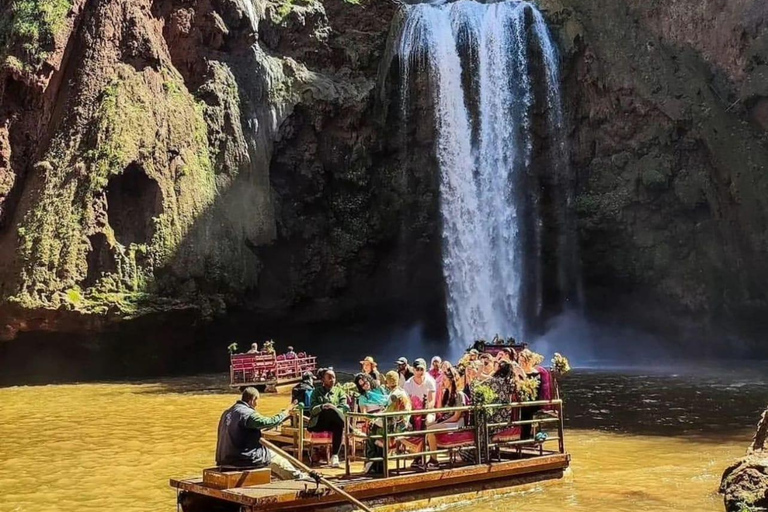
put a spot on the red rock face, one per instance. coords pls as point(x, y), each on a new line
point(7, 177)
point(313, 216)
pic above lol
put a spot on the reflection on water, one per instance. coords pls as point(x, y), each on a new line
point(639, 442)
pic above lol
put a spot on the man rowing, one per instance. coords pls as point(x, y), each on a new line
point(238, 444)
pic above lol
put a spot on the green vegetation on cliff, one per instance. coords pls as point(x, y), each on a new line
point(29, 28)
point(148, 140)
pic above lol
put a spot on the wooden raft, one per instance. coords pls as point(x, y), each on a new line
point(289, 494)
point(221, 478)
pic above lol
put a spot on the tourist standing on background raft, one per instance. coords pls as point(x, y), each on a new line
point(327, 408)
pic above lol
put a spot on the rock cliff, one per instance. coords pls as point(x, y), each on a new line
point(198, 157)
point(669, 146)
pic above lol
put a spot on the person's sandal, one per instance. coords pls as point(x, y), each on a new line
point(433, 464)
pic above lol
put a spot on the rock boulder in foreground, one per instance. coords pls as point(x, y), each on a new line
point(745, 483)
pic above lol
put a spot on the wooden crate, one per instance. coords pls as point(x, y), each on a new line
point(230, 479)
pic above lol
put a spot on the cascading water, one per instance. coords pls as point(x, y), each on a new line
point(477, 58)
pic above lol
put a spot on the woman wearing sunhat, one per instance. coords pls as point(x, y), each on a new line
point(370, 368)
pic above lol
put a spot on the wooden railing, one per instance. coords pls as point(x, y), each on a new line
point(483, 431)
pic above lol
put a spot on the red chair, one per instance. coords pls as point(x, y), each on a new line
point(452, 441)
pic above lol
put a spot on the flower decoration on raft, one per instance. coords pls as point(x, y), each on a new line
point(528, 389)
point(537, 359)
point(232, 348)
point(269, 346)
point(560, 364)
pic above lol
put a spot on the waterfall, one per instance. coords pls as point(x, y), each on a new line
point(489, 198)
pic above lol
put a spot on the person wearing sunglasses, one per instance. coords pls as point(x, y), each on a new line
point(421, 389)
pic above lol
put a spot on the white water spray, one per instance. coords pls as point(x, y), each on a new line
point(483, 155)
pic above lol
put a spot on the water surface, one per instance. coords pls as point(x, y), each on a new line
point(640, 441)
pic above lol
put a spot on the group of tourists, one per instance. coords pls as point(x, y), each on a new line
point(504, 376)
point(508, 376)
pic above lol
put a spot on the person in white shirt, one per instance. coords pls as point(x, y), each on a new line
point(421, 388)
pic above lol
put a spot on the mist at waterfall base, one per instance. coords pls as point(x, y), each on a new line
point(585, 343)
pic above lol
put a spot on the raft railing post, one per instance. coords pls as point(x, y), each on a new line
point(476, 425)
point(560, 429)
point(386, 447)
point(300, 447)
point(347, 449)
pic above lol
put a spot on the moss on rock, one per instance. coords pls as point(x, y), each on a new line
point(147, 120)
point(28, 29)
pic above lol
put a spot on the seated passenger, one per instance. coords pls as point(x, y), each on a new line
point(327, 408)
point(487, 367)
point(404, 370)
point(436, 372)
point(503, 385)
point(391, 381)
point(302, 392)
point(434, 369)
point(528, 362)
point(442, 392)
point(370, 367)
point(290, 354)
point(254, 349)
point(455, 398)
point(421, 389)
point(239, 435)
point(372, 397)
point(470, 373)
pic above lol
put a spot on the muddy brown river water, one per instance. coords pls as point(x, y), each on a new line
point(640, 441)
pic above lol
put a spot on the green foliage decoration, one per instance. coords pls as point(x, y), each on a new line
point(483, 394)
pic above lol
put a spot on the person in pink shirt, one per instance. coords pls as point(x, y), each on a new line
point(435, 370)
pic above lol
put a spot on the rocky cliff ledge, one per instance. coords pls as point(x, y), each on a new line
point(209, 155)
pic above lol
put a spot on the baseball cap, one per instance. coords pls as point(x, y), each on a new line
point(420, 363)
point(402, 360)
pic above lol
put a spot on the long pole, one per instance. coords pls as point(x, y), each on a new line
point(315, 474)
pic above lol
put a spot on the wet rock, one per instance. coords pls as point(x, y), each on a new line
point(744, 484)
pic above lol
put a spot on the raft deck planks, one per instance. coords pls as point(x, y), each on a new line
point(286, 494)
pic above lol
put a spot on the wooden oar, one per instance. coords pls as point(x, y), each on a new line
point(315, 474)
